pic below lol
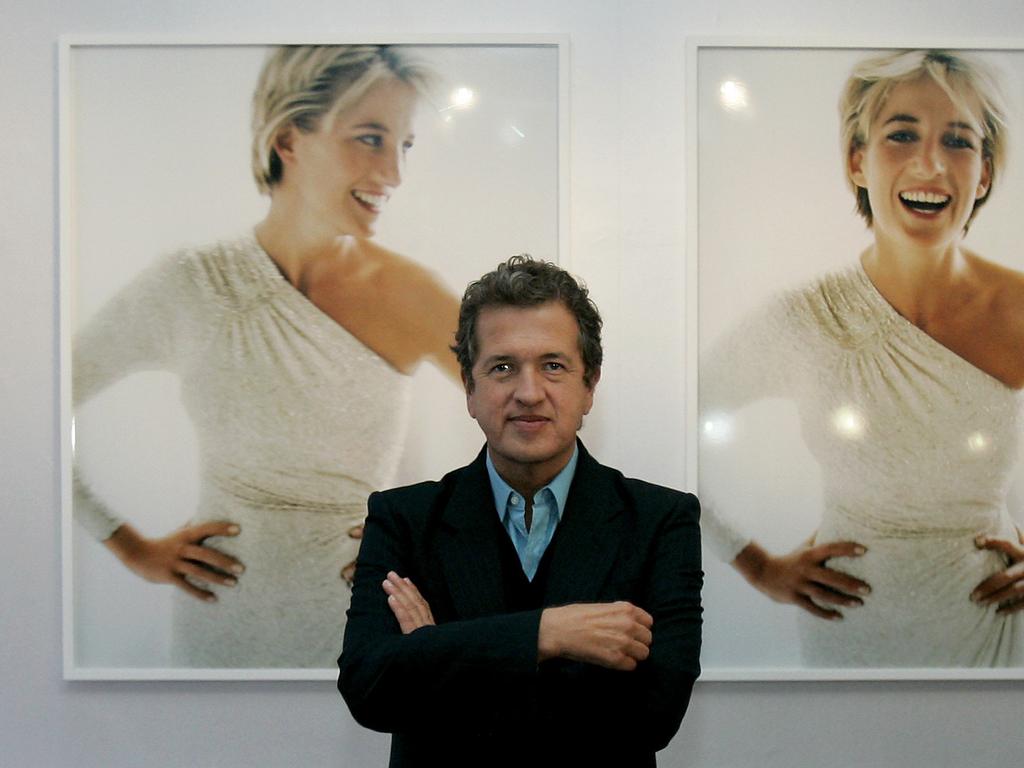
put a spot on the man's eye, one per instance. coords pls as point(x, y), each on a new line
point(501, 368)
point(371, 140)
point(551, 365)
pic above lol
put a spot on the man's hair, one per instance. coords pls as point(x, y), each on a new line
point(525, 282)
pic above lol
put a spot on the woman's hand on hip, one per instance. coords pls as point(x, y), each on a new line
point(169, 560)
point(1006, 588)
point(803, 577)
point(348, 571)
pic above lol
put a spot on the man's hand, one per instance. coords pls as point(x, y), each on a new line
point(406, 602)
point(803, 578)
point(183, 553)
point(613, 635)
point(1006, 588)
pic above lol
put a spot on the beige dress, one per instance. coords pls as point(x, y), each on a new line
point(297, 423)
point(916, 448)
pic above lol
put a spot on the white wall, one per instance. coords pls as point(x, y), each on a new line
point(628, 183)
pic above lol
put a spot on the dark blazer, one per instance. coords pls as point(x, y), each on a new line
point(469, 691)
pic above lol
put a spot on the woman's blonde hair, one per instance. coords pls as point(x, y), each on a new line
point(299, 84)
point(960, 76)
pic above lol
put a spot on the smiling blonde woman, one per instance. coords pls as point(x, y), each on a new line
point(907, 372)
point(293, 345)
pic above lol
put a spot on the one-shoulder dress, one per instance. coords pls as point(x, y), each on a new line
point(916, 447)
point(297, 423)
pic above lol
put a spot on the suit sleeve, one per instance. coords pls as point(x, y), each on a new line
point(481, 672)
point(645, 706)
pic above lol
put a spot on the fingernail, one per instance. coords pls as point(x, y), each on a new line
point(975, 596)
point(859, 550)
point(837, 617)
point(238, 568)
point(211, 598)
point(230, 582)
point(979, 541)
point(233, 530)
point(865, 590)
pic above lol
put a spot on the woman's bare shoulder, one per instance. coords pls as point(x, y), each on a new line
point(405, 276)
point(1002, 324)
point(1005, 286)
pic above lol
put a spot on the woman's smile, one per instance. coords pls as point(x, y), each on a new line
point(922, 165)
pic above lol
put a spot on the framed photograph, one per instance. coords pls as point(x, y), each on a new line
point(829, 414)
point(262, 251)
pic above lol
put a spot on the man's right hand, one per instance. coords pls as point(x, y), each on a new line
point(613, 635)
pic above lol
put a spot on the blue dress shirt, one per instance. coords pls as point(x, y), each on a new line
point(548, 505)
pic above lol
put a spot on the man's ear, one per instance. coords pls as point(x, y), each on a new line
point(855, 167)
point(467, 385)
point(594, 378)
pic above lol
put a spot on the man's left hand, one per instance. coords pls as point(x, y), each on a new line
point(406, 602)
point(1005, 588)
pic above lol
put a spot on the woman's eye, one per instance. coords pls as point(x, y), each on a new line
point(371, 140)
point(958, 142)
point(902, 137)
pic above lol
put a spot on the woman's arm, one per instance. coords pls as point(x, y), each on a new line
point(141, 328)
point(753, 360)
point(761, 357)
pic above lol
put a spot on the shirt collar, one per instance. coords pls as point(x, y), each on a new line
point(559, 485)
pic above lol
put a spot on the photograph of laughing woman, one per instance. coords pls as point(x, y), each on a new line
point(906, 371)
point(294, 346)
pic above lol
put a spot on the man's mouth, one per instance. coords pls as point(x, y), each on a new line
point(528, 419)
point(370, 200)
point(924, 202)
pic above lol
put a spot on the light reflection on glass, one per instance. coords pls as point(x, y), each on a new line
point(977, 442)
point(462, 98)
point(733, 95)
point(72, 435)
point(512, 134)
point(717, 427)
point(848, 422)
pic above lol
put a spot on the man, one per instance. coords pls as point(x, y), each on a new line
point(534, 608)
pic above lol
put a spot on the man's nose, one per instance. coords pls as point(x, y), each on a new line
point(529, 386)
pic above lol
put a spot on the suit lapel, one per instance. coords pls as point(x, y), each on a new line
point(588, 537)
point(468, 545)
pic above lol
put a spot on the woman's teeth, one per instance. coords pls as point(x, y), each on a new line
point(372, 200)
point(925, 201)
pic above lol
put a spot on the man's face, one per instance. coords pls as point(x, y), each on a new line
point(528, 395)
